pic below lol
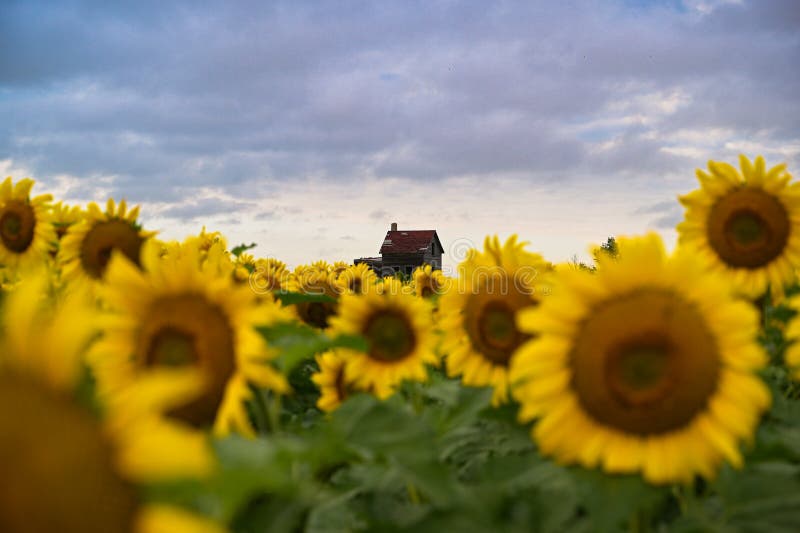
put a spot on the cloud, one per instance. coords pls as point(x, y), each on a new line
point(203, 208)
point(166, 100)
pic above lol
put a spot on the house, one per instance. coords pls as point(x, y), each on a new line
point(405, 250)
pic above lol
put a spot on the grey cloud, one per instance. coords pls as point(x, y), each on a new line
point(379, 214)
point(204, 208)
point(170, 96)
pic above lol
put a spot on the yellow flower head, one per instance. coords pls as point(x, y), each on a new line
point(397, 328)
point(339, 266)
point(333, 386)
point(269, 275)
point(319, 281)
point(64, 216)
point(63, 469)
point(478, 315)
point(647, 366)
point(183, 314)
point(745, 225)
point(88, 245)
point(357, 278)
point(27, 234)
point(428, 282)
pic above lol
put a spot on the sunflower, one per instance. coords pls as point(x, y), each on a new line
point(398, 330)
point(480, 336)
point(646, 366)
point(207, 239)
point(86, 248)
point(339, 266)
point(745, 225)
point(319, 281)
point(26, 231)
point(183, 312)
point(356, 279)
point(428, 282)
point(269, 275)
point(62, 468)
point(64, 216)
point(792, 334)
point(333, 387)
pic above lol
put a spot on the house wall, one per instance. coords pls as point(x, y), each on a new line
point(406, 263)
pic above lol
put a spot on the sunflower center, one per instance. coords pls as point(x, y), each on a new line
point(491, 327)
point(355, 285)
point(105, 237)
point(748, 228)
point(645, 363)
point(390, 336)
point(188, 330)
point(57, 466)
point(316, 314)
point(17, 224)
point(172, 347)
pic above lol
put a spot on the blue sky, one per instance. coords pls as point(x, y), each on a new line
point(308, 127)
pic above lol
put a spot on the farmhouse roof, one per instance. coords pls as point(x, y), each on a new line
point(408, 241)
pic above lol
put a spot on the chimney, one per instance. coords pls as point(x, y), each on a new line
point(394, 226)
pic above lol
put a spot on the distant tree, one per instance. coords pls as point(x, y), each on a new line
point(577, 264)
point(608, 248)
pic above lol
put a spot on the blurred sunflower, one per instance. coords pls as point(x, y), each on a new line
point(269, 275)
point(181, 311)
point(428, 282)
point(333, 387)
point(64, 216)
point(792, 334)
point(207, 239)
point(27, 234)
point(244, 265)
point(357, 279)
point(646, 366)
point(63, 469)
point(86, 247)
point(318, 281)
point(339, 266)
point(480, 335)
point(398, 330)
point(745, 225)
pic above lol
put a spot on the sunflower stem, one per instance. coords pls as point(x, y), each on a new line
point(259, 411)
point(639, 522)
point(413, 495)
point(274, 412)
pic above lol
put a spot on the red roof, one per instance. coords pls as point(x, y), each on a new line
point(406, 242)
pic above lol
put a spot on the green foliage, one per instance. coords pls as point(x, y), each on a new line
point(239, 250)
point(297, 342)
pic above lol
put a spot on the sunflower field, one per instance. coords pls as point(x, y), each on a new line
point(164, 386)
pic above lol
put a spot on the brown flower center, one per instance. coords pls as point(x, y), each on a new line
point(102, 239)
point(489, 319)
point(57, 466)
point(17, 224)
point(188, 330)
point(316, 314)
point(390, 336)
point(748, 228)
point(645, 363)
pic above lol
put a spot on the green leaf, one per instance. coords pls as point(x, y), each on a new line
point(239, 250)
point(298, 342)
point(614, 501)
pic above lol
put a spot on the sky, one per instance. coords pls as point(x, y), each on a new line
point(308, 127)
